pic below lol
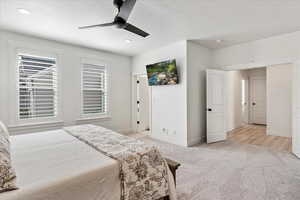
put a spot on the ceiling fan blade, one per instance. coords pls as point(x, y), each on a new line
point(135, 30)
point(126, 9)
point(98, 25)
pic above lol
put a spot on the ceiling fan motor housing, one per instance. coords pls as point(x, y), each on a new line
point(120, 22)
point(118, 3)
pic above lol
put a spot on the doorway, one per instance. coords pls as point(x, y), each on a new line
point(245, 96)
point(257, 105)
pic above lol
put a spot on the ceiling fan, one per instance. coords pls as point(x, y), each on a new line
point(124, 9)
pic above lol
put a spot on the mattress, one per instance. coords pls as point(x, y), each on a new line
point(56, 166)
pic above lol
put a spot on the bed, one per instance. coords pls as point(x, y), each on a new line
point(55, 165)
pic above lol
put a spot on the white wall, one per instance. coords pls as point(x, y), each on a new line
point(198, 60)
point(274, 50)
point(179, 109)
point(169, 103)
point(279, 100)
point(69, 63)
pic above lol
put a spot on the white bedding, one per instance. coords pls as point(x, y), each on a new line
point(56, 166)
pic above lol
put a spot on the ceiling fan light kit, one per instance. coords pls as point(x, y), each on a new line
point(120, 21)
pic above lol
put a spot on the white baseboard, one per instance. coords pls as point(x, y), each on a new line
point(296, 152)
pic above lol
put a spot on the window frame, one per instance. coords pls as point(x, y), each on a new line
point(87, 61)
point(40, 120)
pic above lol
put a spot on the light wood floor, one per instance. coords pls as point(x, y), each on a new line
point(256, 134)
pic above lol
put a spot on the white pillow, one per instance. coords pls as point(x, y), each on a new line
point(7, 173)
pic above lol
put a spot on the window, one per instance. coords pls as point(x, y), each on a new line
point(37, 87)
point(94, 90)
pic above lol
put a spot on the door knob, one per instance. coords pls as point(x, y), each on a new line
point(209, 109)
point(253, 104)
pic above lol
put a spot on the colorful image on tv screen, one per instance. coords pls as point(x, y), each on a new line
point(163, 73)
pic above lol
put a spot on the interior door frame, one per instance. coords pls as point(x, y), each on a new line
point(251, 79)
point(295, 95)
point(246, 104)
point(134, 103)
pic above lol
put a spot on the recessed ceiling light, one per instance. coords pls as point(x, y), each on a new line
point(218, 41)
point(128, 41)
point(24, 11)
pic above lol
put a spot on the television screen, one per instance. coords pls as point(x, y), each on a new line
point(163, 73)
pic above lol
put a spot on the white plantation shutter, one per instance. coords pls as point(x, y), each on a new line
point(37, 87)
point(94, 89)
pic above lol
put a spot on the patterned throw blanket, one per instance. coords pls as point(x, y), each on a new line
point(143, 171)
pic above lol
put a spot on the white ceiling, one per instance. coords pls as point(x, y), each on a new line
point(233, 21)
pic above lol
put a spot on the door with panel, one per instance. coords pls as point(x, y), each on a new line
point(216, 101)
point(258, 96)
point(143, 104)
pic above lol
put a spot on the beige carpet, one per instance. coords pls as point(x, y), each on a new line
point(231, 171)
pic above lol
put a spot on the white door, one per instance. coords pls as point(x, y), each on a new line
point(216, 89)
point(143, 109)
point(258, 102)
point(296, 110)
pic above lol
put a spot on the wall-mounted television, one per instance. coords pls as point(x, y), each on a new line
point(162, 73)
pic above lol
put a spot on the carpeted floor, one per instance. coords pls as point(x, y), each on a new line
point(231, 171)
